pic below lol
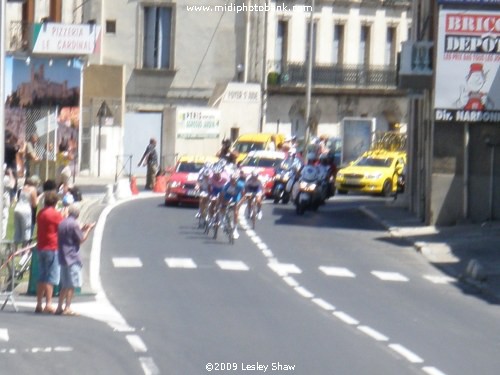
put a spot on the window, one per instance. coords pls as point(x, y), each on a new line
point(338, 44)
point(281, 45)
point(55, 10)
point(157, 37)
point(308, 36)
point(390, 46)
point(110, 26)
point(364, 46)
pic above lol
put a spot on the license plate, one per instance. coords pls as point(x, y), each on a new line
point(191, 193)
point(352, 181)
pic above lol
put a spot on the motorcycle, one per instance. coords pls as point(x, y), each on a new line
point(284, 173)
point(307, 191)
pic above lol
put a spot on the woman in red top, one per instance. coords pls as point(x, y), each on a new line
point(48, 263)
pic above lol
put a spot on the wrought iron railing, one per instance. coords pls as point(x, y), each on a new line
point(345, 76)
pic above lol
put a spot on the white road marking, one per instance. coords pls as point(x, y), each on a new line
point(4, 334)
point(389, 276)
point(256, 240)
point(336, 271)
point(346, 318)
point(148, 366)
point(262, 246)
point(372, 333)
point(267, 253)
point(290, 281)
point(440, 279)
point(180, 263)
point(304, 292)
point(323, 304)
point(136, 343)
point(283, 269)
point(8, 351)
point(409, 355)
point(432, 371)
point(232, 265)
point(130, 262)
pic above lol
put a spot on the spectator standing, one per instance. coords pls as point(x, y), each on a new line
point(150, 160)
point(30, 155)
point(25, 211)
point(10, 158)
point(8, 180)
point(48, 221)
point(70, 235)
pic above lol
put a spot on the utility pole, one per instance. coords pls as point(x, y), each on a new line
point(3, 8)
point(310, 50)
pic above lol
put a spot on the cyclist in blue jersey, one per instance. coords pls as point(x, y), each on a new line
point(232, 193)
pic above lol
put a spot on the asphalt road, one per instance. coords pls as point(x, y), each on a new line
point(326, 293)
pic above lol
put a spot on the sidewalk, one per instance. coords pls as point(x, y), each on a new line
point(469, 253)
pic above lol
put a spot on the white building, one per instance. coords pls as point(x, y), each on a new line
point(156, 56)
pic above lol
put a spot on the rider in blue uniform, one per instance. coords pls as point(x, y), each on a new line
point(232, 193)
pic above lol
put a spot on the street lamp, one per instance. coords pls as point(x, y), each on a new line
point(103, 113)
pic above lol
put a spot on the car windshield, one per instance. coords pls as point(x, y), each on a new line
point(189, 167)
point(246, 147)
point(373, 162)
point(261, 162)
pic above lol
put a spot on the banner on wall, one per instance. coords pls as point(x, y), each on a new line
point(467, 86)
point(198, 122)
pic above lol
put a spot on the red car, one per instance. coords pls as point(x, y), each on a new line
point(266, 162)
point(182, 180)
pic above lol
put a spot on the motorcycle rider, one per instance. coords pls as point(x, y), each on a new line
point(254, 186)
point(232, 192)
point(226, 153)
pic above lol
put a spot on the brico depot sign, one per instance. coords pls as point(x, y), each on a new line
point(467, 87)
point(66, 39)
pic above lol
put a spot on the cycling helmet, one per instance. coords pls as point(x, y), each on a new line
point(235, 176)
point(255, 173)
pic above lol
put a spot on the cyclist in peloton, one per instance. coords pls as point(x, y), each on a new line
point(254, 186)
point(232, 192)
point(204, 187)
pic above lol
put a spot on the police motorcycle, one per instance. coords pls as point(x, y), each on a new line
point(307, 191)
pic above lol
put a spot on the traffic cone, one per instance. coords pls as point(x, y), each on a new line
point(133, 185)
point(160, 184)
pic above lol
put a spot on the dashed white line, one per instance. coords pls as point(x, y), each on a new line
point(346, 318)
point(127, 262)
point(180, 263)
point(409, 355)
point(232, 265)
point(148, 366)
point(323, 304)
point(283, 269)
point(136, 343)
point(390, 276)
point(4, 334)
point(267, 253)
point(432, 371)
point(336, 271)
point(304, 292)
point(373, 333)
point(440, 279)
point(291, 281)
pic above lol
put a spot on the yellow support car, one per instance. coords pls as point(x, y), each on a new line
point(375, 172)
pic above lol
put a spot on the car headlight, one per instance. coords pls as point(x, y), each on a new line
point(373, 176)
point(174, 184)
point(340, 175)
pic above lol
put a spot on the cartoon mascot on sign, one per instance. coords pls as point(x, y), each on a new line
point(471, 97)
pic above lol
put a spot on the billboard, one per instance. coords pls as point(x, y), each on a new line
point(467, 86)
point(198, 122)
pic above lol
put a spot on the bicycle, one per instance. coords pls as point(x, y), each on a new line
point(228, 221)
point(210, 215)
point(16, 270)
point(251, 210)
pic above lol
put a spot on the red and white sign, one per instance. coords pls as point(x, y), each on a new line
point(467, 87)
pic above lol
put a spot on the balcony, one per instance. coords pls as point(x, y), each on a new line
point(294, 74)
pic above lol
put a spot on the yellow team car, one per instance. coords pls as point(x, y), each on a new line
point(256, 142)
point(375, 172)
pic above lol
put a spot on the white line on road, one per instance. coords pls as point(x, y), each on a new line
point(290, 281)
point(389, 276)
point(136, 343)
point(336, 271)
point(440, 279)
point(323, 304)
point(131, 262)
point(432, 371)
point(373, 333)
point(346, 318)
point(409, 355)
point(148, 366)
point(180, 263)
point(4, 334)
point(232, 265)
point(304, 292)
point(283, 269)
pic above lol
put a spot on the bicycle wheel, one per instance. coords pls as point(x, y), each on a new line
point(229, 226)
point(254, 214)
